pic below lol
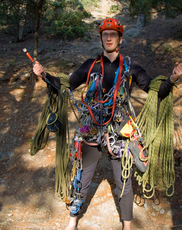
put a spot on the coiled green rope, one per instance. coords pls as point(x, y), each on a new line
point(157, 127)
point(126, 162)
point(62, 138)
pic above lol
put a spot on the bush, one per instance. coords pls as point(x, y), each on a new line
point(140, 6)
point(67, 21)
point(88, 4)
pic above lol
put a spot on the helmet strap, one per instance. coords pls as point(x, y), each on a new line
point(117, 49)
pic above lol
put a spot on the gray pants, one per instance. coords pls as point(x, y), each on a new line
point(90, 158)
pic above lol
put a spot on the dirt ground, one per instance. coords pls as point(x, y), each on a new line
point(27, 198)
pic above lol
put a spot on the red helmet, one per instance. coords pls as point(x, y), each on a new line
point(111, 24)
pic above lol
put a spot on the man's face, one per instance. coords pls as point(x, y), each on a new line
point(110, 40)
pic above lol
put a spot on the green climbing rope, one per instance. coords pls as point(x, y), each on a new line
point(62, 138)
point(157, 126)
point(126, 162)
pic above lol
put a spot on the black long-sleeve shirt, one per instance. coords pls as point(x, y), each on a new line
point(139, 76)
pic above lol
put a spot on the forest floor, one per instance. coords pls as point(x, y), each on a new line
point(27, 197)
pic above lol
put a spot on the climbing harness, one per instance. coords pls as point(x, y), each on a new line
point(105, 121)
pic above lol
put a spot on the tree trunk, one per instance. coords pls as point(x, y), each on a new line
point(37, 27)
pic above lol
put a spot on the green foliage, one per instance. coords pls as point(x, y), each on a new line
point(11, 14)
point(89, 4)
point(69, 25)
point(170, 8)
point(140, 6)
point(63, 18)
point(167, 47)
point(66, 20)
point(16, 15)
point(114, 8)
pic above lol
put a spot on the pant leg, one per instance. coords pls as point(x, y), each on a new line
point(90, 158)
point(126, 201)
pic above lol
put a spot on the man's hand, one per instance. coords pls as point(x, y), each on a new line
point(38, 69)
point(177, 72)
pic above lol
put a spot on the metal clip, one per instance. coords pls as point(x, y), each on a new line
point(113, 140)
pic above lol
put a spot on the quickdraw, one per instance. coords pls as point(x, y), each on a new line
point(74, 199)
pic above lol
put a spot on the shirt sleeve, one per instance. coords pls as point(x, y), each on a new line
point(76, 78)
point(80, 76)
point(143, 80)
point(54, 80)
point(139, 76)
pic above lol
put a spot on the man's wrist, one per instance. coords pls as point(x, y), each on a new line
point(173, 80)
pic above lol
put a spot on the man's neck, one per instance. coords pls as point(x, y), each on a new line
point(111, 56)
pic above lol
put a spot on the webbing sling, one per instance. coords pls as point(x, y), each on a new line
point(157, 126)
point(115, 92)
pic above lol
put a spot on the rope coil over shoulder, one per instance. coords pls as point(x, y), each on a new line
point(157, 126)
point(62, 137)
